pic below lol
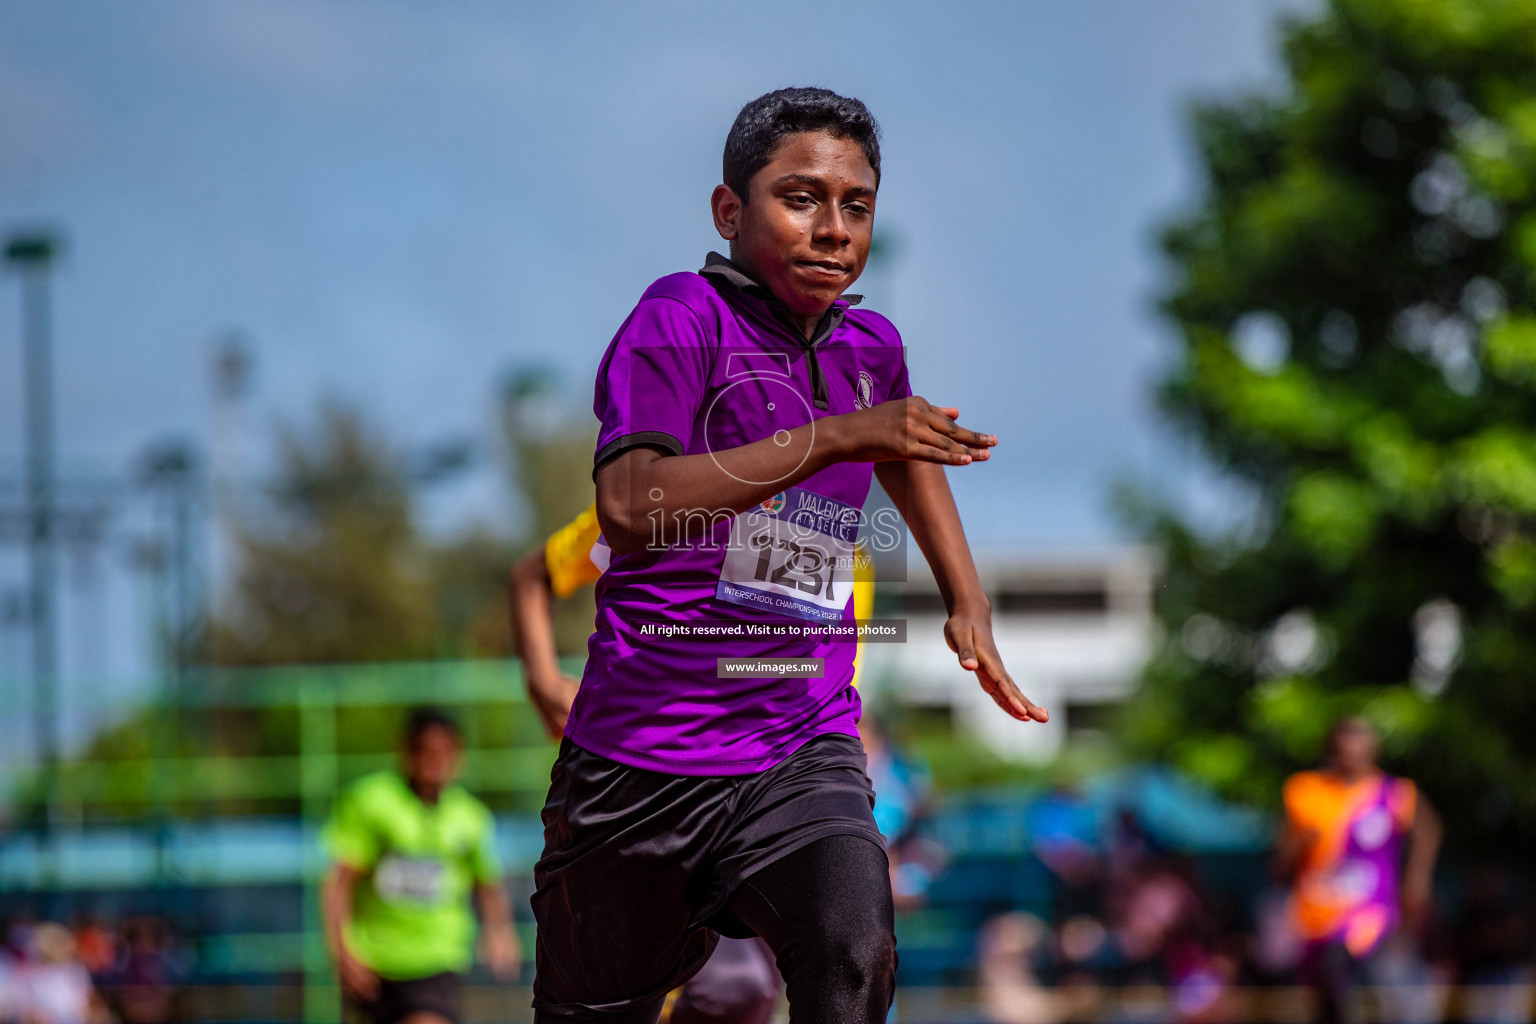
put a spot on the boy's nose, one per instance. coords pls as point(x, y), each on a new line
point(832, 227)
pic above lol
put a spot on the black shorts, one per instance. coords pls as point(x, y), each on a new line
point(638, 865)
point(397, 1000)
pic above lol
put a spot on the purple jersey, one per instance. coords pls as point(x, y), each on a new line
point(705, 363)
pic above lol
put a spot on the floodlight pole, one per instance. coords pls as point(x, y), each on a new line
point(32, 255)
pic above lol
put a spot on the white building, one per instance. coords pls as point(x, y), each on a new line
point(1073, 630)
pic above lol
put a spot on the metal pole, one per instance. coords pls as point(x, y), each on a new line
point(317, 781)
point(33, 255)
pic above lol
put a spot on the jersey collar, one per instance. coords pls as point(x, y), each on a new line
point(720, 268)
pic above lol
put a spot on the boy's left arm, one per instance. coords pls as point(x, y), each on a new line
point(499, 941)
point(1419, 871)
point(921, 493)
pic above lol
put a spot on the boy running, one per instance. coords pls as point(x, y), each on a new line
point(407, 849)
point(743, 411)
point(739, 984)
point(1360, 847)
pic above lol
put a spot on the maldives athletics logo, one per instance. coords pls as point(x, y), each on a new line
point(866, 392)
point(774, 505)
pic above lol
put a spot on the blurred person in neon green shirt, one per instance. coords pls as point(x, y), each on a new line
point(408, 850)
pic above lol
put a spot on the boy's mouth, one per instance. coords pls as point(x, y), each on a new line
point(829, 267)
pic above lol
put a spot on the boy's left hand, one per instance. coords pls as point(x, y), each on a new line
point(552, 698)
point(502, 952)
point(969, 634)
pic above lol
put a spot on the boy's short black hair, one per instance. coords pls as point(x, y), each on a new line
point(422, 719)
point(766, 120)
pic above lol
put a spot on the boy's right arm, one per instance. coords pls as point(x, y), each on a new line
point(549, 690)
point(644, 495)
point(350, 842)
point(1297, 835)
point(336, 909)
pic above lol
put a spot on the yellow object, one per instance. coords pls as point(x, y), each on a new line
point(863, 601)
point(568, 554)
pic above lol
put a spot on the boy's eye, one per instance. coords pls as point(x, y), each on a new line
point(859, 209)
point(800, 199)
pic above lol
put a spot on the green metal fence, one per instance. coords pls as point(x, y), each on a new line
point(274, 743)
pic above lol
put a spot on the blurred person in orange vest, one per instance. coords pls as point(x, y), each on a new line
point(1359, 846)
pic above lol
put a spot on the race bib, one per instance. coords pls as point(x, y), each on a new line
point(1354, 880)
point(402, 879)
point(792, 555)
point(1373, 829)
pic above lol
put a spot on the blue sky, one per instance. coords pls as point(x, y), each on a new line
point(397, 202)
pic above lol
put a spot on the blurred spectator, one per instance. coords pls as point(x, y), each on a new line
point(1010, 947)
point(1127, 848)
point(95, 945)
point(18, 933)
point(902, 787)
point(54, 988)
point(1493, 946)
point(1275, 949)
point(1062, 838)
point(10, 987)
point(147, 973)
point(1161, 904)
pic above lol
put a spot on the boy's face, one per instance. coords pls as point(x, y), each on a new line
point(804, 235)
point(1354, 748)
point(432, 761)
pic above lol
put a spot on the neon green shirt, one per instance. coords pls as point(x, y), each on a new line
point(410, 913)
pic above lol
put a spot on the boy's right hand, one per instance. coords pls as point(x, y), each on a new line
point(356, 978)
point(552, 698)
point(912, 430)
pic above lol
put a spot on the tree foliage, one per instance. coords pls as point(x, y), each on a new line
point(334, 568)
point(1353, 297)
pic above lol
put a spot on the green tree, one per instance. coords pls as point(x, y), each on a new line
point(334, 570)
point(551, 470)
point(1353, 298)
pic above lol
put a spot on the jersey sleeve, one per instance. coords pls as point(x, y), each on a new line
point(348, 837)
point(652, 380)
point(485, 863)
point(568, 554)
point(1298, 806)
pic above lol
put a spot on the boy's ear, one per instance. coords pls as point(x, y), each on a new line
point(726, 206)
